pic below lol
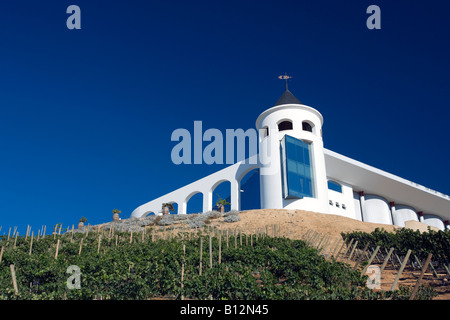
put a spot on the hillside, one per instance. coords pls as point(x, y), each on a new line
point(160, 257)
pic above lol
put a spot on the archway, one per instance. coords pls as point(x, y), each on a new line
point(175, 208)
point(194, 203)
point(223, 191)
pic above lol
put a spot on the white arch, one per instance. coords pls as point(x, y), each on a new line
point(403, 213)
point(434, 221)
point(213, 188)
point(376, 209)
point(186, 200)
point(205, 186)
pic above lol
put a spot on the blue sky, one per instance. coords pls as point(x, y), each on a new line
point(86, 115)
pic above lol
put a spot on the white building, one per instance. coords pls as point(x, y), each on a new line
point(296, 172)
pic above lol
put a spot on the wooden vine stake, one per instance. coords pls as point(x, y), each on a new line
point(386, 259)
point(339, 251)
point(15, 240)
point(1, 254)
point(353, 250)
point(419, 281)
point(201, 254)
point(347, 248)
point(81, 246)
point(210, 251)
point(220, 247)
point(13, 276)
point(57, 248)
point(182, 270)
point(227, 238)
point(71, 236)
point(99, 243)
point(401, 270)
point(370, 260)
point(31, 242)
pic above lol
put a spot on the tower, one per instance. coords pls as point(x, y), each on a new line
point(293, 173)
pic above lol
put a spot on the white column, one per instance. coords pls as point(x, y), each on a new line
point(207, 201)
point(235, 195)
point(182, 207)
point(361, 201)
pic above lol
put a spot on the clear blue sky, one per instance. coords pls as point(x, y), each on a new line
point(86, 115)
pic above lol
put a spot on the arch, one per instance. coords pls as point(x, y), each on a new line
point(194, 202)
point(285, 125)
point(149, 213)
point(221, 189)
point(434, 221)
point(307, 126)
point(403, 213)
point(175, 207)
point(376, 209)
point(249, 190)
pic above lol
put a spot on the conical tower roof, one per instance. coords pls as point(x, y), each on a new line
point(287, 98)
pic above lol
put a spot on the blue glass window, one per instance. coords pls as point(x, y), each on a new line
point(296, 166)
point(334, 186)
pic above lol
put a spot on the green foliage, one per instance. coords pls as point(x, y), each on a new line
point(273, 268)
point(221, 202)
point(421, 244)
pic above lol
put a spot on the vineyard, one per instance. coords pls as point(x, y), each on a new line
point(409, 248)
point(200, 263)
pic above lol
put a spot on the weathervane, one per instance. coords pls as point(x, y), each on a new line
point(285, 77)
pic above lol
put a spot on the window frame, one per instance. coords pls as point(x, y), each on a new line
point(292, 168)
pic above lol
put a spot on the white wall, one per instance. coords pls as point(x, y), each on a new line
point(269, 148)
point(345, 201)
point(433, 220)
point(376, 209)
point(404, 213)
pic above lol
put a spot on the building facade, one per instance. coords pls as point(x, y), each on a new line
point(293, 170)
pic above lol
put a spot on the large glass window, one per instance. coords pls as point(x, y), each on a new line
point(296, 165)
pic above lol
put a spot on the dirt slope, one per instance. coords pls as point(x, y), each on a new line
point(295, 223)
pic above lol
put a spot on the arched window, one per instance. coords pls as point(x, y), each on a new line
point(285, 125)
point(306, 126)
